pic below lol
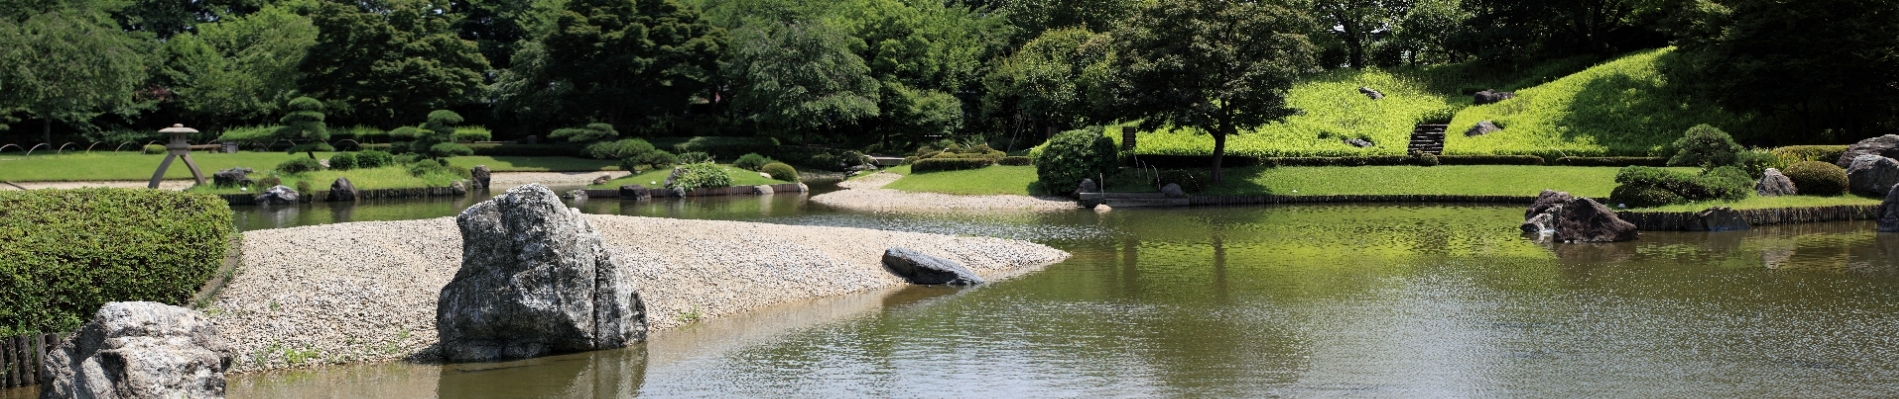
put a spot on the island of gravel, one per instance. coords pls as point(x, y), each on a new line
point(867, 194)
point(366, 292)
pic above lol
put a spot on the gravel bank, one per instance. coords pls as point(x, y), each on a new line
point(867, 194)
point(366, 292)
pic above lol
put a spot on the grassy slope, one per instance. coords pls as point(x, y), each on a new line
point(657, 178)
point(1012, 180)
point(1800, 201)
point(1624, 107)
point(134, 166)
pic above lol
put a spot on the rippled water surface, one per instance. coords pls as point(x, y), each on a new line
point(1301, 301)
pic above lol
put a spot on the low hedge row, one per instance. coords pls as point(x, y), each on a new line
point(527, 150)
point(63, 253)
point(1613, 161)
point(1797, 153)
point(1642, 186)
point(1188, 161)
point(949, 164)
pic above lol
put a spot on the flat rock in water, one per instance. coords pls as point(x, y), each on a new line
point(1885, 146)
point(1774, 184)
point(279, 195)
point(1546, 200)
point(1872, 175)
point(138, 350)
point(1585, 220)
point(918, 268)
point(534, 280)
point(1888, 213)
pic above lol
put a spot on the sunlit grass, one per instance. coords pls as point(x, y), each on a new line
point(1792, 201)
point(993, 180)
point(387, 177)
point(656, 178)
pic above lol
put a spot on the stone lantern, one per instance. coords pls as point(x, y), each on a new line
point(177, 148)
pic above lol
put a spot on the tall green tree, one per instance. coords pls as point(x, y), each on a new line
point(1213, 66)
point(240, 68)
point(304, 126)
point(436, 138)
point(1033, 17)
point(385, 61)
point(624, 61)
point(1830, 65)
point(1360, 23)
point(1044, 83)
point(69, 66)
point(798, 77)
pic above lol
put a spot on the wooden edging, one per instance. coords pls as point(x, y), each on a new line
point(1684, 221)
point(21, 358)
point(633, 192)
point(385, 193)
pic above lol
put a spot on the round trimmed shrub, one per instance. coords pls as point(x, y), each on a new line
point(299, 165)
point(702, 175)
point(751, 161)
point(343, 161)
point(1075, 155)
point(1705, 145)
point(1643, 196)
point(269, 182)
point(780, 171)
point(1817, 178)
point(618, 149)
point(154, 149)
point(374, 159)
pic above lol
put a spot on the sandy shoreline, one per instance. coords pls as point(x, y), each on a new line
point(868, 195)
point(366, 292)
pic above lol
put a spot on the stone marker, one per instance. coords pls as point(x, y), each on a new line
point(137, 350)
point(918, 268)
point(1172, 190)
point(342, 190)
point(1774, 184)
point(481, 177)
point(1872, 175)
point(232, 177)
point(535, 280)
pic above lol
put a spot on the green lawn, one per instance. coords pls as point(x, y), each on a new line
point(363, 179)
point(135, 166)
point(656, 178)
point(1798, 201)
point(1014, 180)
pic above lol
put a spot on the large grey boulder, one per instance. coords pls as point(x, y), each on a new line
point(232, 177)
point(480, 176)
point(342, 190)
point(1482, 128)
point(535, 280)
point(1888, 214)
point(1491, 97)
point(1172, 190)
point(1087, 186)
point(918, 268)
point(1575, 219)
point(1885, 146)
point(139, 350)
point(1872, 175)
point(280, 195)
point(1775, 184)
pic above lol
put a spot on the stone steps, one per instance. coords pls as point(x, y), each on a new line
point(1428, 139)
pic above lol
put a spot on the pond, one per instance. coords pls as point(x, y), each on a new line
point(1333, 300)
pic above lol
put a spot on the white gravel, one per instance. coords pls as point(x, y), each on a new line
point(868, 195)
point(366, 292)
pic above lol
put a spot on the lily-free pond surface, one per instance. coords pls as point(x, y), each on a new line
point(1299, 301)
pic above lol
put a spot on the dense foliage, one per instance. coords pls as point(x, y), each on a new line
point(1706, 146)
point(1075, 155)
point(1642, 186)
point(1818, 178)
point(780, 171)
point(63, 253)
point(304, 126)
point(701, 175)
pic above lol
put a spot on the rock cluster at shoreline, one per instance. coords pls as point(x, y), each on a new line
point(867, 194)
point(367, 292)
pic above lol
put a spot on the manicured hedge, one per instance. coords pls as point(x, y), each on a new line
point(1016, 161)
point(1797, 153)
point(1641, 185)
point(1191, 161)
point(526, 150)
point(949, 164)
point(63, 253)
point(1613, 161)
point(1530, 160)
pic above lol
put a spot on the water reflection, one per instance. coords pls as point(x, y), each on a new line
point(601, 374)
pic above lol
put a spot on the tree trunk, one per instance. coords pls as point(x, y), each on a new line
point(1219, 152)
point(46, 131)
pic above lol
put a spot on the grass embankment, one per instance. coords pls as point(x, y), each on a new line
point(656, 178)
point(136, 166)
point(63, 253)
point(363, 179)
point(1624, 107)
point(1797, 201)
point(1594, 182)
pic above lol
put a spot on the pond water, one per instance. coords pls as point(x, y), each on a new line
point(1302, 301)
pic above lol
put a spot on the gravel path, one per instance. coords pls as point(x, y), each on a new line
point(366, 292)
point(867, 194)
